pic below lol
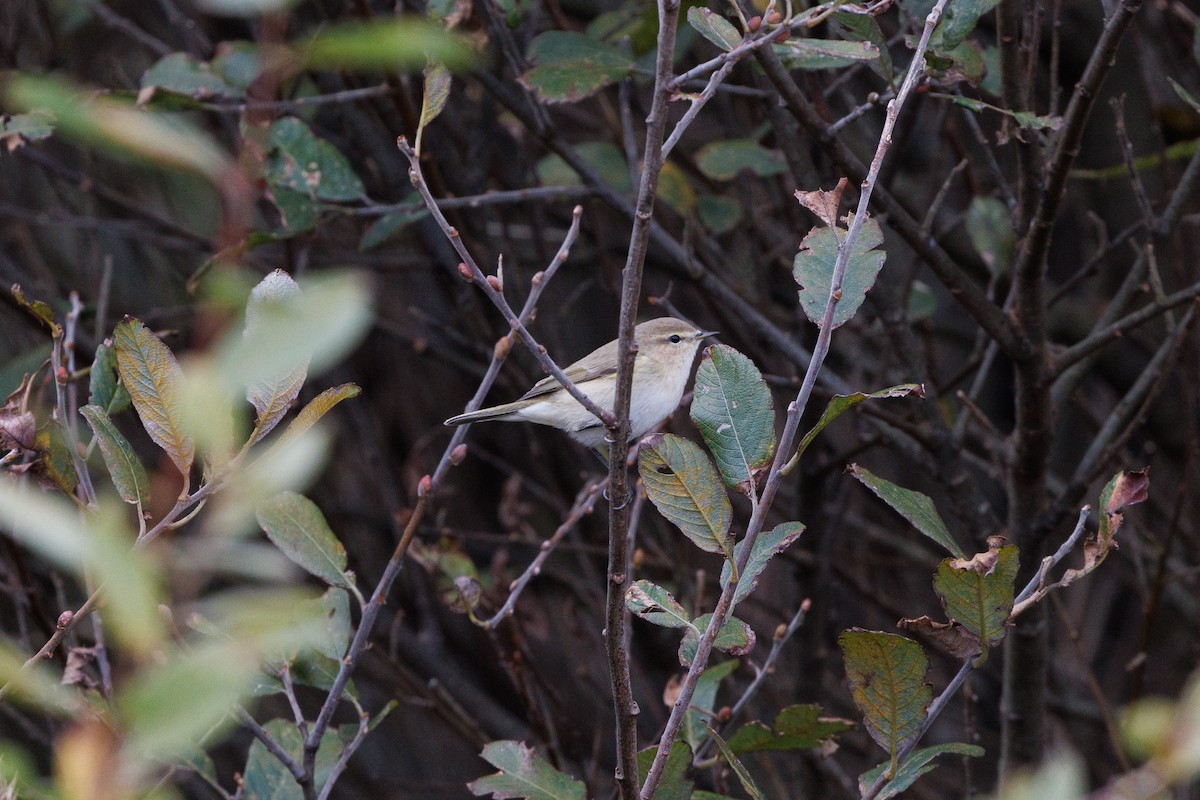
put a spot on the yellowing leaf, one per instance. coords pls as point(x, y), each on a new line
point(684, 486)
point(152, 376)
point(887, 682)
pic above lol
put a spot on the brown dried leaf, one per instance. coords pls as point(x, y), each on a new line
point(824, 204)
point(17, 427)
point(950, 636)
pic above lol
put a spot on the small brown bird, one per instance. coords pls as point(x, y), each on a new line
point(666, 350)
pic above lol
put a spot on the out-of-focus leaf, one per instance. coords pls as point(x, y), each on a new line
point(766, 546)
point(55, 465)
point(298, 528)
point(799, 727)
point(388, 226)
point(915, 507)
point(676, 190)
point(300, 161)
point(244, 8)
point(655, 604)
point(814, 264)
point(604, 157)
point(273, 391)
point(1184, 94)
point(152, 376)
point(101, 122)
point(922, 302)
point(36, 685)
point(715, 28)
point(841, 403)
point(914, 766)
point(238, 63)
point(732, 409)
point(824, 53)
point(735, 637)
point(124, 467)
point(723, 160)
point(719, 214)
point(19, 129)
point(437, 92)
point(384, 45)
point(979, 592)
point(684, 486)
point(989, 225)
point(523, 773)
point(1061, 777)
point(887, 682)
point(704, 701)
point(298, 213)
point(739, 768)
point(179, 73)
point(571, 66)
point(674, 783)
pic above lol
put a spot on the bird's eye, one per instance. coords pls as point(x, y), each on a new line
point(674, 338)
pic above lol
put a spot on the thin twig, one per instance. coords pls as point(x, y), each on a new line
point(479, 200)
point(273, 747)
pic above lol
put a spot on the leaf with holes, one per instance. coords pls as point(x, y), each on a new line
point(887, 682)
point(915, 507)
point(732, 409)
point(300, 161)
point(684, 486)
point(152, 377)
point(814, 264)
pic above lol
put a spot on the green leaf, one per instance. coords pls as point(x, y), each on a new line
point(914, 766)
point(128, 475)
point(1184, 94)
point(40, 310)
point(864, 28)
point(684, 486)
point(655, 604)
point(25, 128)
point(887, 682)
point(300, 161)
point(55, 464)
point(989, 225)
point(798, 727)
point(152, 376)
point(388, 226)
point(824, 53)
point(296, 526)
point(674, 783)
point(715, 28)
point(675, 190)
point(571, 66)
point(524, 773)
point(979, 593)
point(437, 92)
point(265, 776)
point(318, 407)
point(115, 126)
point(841, 403)
point(385, 45)
point(766, 546)
point(104, 390)
point(732, 409)
point(704, 701)
point(723, 160)
point(273, 391)
point(739, 768)
point(179, 73)
point(813, 269)
point(719, 214)
point(37, 686)
point(245, 8)
point(735, 637)
point(915, 507)
point(298, 213)
point(960, 19)
point(604, 157)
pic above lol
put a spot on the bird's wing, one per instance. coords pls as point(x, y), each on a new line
point(577, 373)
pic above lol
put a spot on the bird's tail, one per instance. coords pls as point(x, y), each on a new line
point(505, 412)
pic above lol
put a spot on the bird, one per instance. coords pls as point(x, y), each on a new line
point(667, 348)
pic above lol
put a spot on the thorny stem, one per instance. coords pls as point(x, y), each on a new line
point(795, 410)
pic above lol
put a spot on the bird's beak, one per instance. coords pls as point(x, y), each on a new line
point(706, 334)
